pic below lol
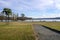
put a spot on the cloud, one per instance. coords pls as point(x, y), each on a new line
point(43, 7)
point(42, 4)
point(4, 3)
point(57, 4)
point(33, 4)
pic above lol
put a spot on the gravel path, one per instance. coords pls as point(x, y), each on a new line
point(45, 34)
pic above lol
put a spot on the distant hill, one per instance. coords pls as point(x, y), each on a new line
point(58, 17)
point(45, 18)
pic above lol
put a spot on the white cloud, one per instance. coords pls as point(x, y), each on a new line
point(39, 4)
point(57, 4)
point(30, 5)
point(35, 4)
point(5, 3)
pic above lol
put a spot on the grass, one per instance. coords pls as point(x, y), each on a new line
point(54, 25)
point(22, 30)
point(16, 31)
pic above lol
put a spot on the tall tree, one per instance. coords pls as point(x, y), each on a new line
point(22, 18)
point(1, 17)
point(7, 12)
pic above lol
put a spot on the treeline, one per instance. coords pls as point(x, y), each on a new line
point(7, 14)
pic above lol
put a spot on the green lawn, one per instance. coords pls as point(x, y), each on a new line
point(16, 31)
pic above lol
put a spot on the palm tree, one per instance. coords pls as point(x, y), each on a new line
point(7, 12)
point(1, 16)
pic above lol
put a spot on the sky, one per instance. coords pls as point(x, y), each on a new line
point(33, 8)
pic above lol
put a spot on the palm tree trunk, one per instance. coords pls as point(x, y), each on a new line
point(8, 18)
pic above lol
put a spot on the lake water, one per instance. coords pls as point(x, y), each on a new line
point(38, 20)
point(45, 20)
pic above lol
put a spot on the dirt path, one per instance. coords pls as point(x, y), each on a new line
point(45, 34)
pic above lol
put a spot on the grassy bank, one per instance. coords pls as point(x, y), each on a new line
point(54, 25)
point(16, 31)
point(22, 30)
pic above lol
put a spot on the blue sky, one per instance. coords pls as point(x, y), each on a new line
point(33, 8)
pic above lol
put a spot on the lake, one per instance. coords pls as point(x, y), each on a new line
point(37, 20)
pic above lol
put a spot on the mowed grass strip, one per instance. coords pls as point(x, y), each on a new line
point(16, 31)
point(54, 25)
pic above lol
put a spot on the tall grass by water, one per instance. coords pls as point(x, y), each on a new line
point(16, 31)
